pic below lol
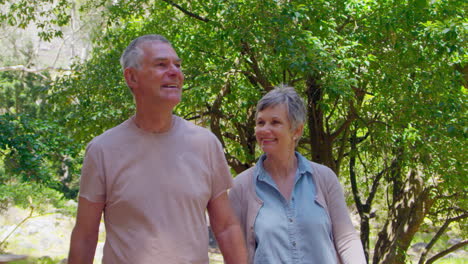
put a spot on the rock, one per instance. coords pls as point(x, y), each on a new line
point(99, 251)
point(418, 247)
point(211, 239)
point(42, 234)
point(71, 203)
point(450, 255)
point(5, 231)
point(5, 258)
point(454, 241)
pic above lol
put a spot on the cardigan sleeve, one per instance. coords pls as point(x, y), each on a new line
point(246, 205)
point(347, 242)
point(233, 195)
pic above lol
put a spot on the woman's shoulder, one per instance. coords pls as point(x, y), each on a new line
point(322, 173)
point(244, 177)
point(242, 184)
point(320, 168)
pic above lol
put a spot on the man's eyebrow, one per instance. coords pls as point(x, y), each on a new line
point(166, 58)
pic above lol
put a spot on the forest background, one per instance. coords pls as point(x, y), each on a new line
point(385, 83)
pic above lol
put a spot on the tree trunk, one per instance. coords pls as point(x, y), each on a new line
point(363, 209)
point(406, 216)
point(321, 142)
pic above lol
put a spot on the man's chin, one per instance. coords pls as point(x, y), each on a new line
point(174, 100)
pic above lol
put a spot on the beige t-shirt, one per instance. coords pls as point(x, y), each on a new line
point(156, 188)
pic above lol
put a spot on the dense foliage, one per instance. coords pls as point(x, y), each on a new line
point(384, 82)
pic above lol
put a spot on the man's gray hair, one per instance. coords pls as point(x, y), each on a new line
point(284, 94)
point(131, 56)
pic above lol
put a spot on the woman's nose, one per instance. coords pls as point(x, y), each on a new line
point(262, 129)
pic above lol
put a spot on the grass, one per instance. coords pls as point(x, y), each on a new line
point(452, 261)
point(42, 260)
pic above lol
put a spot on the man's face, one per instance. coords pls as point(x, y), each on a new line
point(159, 78)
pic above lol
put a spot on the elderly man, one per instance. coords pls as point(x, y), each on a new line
point(154, 175)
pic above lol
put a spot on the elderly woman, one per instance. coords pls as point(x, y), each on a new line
point(291, 210)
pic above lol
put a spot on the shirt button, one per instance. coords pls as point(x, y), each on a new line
point(294, 244)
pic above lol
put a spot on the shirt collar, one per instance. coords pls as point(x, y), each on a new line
point(303, 164)
point(303, 167)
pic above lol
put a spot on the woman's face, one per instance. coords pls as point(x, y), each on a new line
point(273, 131)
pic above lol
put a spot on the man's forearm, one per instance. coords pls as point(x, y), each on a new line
point(82, 249)
point(232, 245)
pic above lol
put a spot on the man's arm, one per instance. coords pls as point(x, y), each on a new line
point(227, 230)
point(85, 233)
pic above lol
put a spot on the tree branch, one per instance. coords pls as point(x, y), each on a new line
point(18, 225)
point(347, 21)
point(347, 122)
point(191, 117)
point(352, 176)
point(186, 11)
point(447, 251)
point(216, 113)
point(257, 77)
point(436, 237)
point(375, 185)
point(341, 149)
point(235, 164)
point(37, 71)
point(327, 119)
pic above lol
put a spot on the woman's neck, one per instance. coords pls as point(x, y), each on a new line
point(283, 172)
point(281, 166)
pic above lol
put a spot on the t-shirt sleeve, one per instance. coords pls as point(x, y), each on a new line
point(92, 181)
point(221, 176)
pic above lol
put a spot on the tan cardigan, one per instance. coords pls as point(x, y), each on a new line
point(330, 196)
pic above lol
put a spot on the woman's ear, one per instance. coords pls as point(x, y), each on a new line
point(298, 132)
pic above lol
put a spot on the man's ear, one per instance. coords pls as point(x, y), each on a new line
point(130, 78)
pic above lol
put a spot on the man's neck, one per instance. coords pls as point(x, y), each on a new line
point(156, 122)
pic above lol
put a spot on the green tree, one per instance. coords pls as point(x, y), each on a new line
point(46, 15)
point(33, 148)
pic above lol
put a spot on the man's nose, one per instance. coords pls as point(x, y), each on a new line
point(174, 69)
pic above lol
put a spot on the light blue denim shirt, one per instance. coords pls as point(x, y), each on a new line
point(296, 231)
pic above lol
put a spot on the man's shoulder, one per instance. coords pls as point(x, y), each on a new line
point(112, 135)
